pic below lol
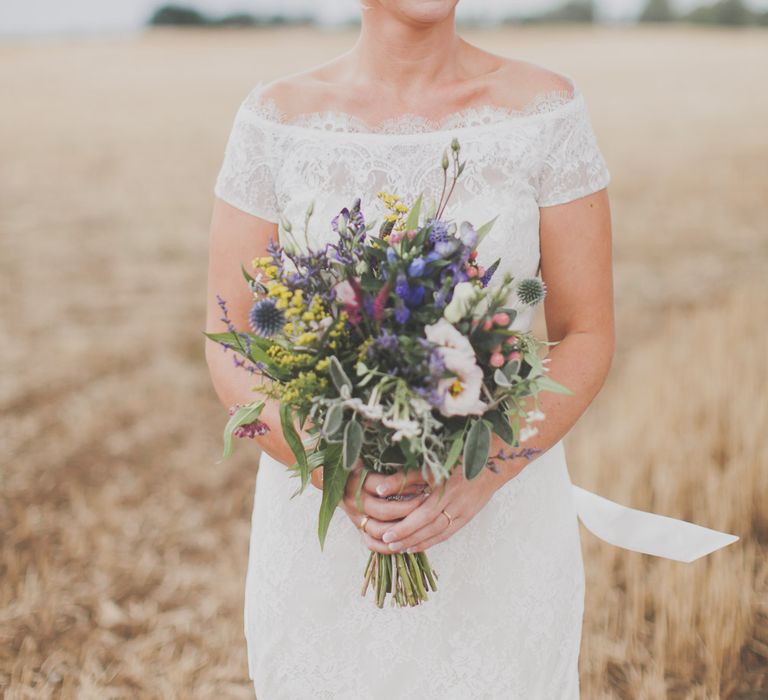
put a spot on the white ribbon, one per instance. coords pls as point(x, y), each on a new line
point(645, 532)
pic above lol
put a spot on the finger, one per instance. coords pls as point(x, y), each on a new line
point(376, 528)
point(432, 541)
point(374, 544)
point(417, 519)
point(384, 509)
point(397, 483)
point(388, 484)
point(437, 527)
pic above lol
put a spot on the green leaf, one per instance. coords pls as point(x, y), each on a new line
point(501, 379)
point(334, 484)
point(484, 229)
point(511, 368)
point(338, 375)
point(477, 448)
point(455, 451)
point(243, 416)
point(548, 384)
point(353, 442)
point(294, 442)
point(501, 426)
point(246, 274)
point(413, 216)
point(333, 420)
point(232, 339)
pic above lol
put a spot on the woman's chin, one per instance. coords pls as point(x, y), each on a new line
point(421, 11)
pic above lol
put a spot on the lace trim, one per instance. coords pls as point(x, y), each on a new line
point(549, 102)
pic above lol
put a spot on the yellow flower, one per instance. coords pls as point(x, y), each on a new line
point(306, 338)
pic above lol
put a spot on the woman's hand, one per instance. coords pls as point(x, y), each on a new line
point(427, 525)
point(381, 511)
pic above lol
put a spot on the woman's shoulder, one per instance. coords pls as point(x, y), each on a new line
point(517, 84)
point(291, 95)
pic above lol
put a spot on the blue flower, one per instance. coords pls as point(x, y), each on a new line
point(441, 297)
point(402, 313)
point(415, 296)
point(391, 255)
point(416, 268)
point(402, 287)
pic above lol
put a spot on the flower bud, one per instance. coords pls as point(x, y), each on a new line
point(455, 145)
point(445, 160)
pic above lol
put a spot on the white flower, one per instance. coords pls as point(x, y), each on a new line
point(369, 410)
point(462, 392)
point(463, 294)
point(345, 293)
point(403, 428)
point(527, 433)
point(534, 415)
point(446, 335)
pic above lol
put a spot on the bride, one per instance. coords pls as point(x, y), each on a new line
point(377, 118)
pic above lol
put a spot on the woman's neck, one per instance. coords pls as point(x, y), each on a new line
point(407, 59)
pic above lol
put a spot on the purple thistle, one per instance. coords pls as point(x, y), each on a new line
point(439, 232)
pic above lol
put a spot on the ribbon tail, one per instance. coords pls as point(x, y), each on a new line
point(648, 533)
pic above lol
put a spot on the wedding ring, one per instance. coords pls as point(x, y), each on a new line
point(363, 523)
point(447, 515)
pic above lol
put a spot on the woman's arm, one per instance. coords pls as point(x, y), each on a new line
point(576, 266)
point(237, 238)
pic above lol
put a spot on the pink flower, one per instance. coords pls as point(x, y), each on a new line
point(348, 293)
point(501, 319)
point(395, 237)
point(345, 292)
point(497, 359)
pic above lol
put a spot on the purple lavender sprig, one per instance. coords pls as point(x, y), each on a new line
point(525, 452)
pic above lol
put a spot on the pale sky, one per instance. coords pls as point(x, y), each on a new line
point(86, 16)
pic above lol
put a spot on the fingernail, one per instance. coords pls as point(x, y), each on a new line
point(388, 536)
point(381, 489)
point(395, 545)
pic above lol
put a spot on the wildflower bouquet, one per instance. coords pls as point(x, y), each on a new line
point(394, 353)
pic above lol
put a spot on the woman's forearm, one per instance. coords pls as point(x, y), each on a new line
point(580, 362)
point(234, 385)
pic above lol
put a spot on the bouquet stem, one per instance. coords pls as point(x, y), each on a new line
point(406, 576)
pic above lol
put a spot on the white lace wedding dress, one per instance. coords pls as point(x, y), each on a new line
point(506, 619)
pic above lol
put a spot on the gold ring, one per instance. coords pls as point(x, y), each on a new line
point(363, 523)
point(447, 515)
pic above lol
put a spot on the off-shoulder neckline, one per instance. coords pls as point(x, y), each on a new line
point(336, 123)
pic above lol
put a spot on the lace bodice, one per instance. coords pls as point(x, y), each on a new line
point(517, 161)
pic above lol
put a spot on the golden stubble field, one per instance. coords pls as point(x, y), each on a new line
point(123, 546)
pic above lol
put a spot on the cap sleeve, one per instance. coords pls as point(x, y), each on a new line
point(572, 164)
point(246, 179)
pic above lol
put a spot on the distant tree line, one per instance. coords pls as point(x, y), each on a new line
point(728, 12)
point(732, 12)
point(185, 16)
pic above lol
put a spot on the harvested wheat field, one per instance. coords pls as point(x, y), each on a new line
point(124, 546)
